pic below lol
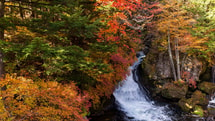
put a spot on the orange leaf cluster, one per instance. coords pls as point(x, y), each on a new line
point(121, 31)
point(177, 21)
point(23, 99)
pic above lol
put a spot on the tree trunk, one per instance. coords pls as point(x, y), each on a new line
point(20, 10)
point(177, 59)
point(1, 16)
point(33, 11)
point(171, 59)
point(1, 36)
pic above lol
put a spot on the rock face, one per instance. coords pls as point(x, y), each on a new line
point(174, 91)
point(191, 68)
point(190, 97)
point(157, 66)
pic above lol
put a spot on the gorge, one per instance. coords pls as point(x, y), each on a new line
point(134, 101)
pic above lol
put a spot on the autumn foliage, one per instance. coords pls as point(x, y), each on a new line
point(125, 20)
point(23, 99)
point(63, 57)
point(188, 23)
point(80, 49)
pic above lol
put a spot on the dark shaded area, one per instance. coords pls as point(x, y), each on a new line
point(213, 74)
point(148, 43)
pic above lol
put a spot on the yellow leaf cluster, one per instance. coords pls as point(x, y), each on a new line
point(24, 99)
point(177, 21)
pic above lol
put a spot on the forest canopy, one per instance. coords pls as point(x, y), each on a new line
point(68, 55)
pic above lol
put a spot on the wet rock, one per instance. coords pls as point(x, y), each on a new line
point(207, 87)
point(139, 54)
point(198, 111)
point(211, 114)
point(174, 91)
point(199, 98)
point(186, 104)
point(194, 104)
point(210, 118)
point(211, 111)
point(158, 89)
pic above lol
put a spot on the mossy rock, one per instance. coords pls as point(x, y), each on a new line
point(194, 103)
point(174, 91)
point(198, 111)
point(158, 89)
point(199, 98)
point(211, 111)
point(186, 104)
point(207, 87)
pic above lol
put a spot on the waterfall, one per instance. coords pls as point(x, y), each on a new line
point(211, 103)
point(133, 101)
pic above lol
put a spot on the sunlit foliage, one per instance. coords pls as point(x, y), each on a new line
point(23, 99)
point(87, 43)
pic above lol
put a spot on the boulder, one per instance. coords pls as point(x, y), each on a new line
point(174, 91)
point(207, 87)
point(211, 111)
point(199, 98)
point(195, 103)
point(186, 104)
point(198, 111)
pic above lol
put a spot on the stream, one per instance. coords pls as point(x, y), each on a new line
point(132, 102)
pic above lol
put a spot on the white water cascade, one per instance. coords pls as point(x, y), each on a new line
point(212, 102)
point(134, 103)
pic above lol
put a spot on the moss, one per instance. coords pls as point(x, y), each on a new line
point(186, 104)
point(179, 83)
point(199, 98)
point(174, 91)
point(198, 111)
point(207, 87)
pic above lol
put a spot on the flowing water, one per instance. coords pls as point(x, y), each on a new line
point(212, 102)
point(133, 100)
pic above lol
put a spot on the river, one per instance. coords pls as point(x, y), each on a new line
point(133, 103)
